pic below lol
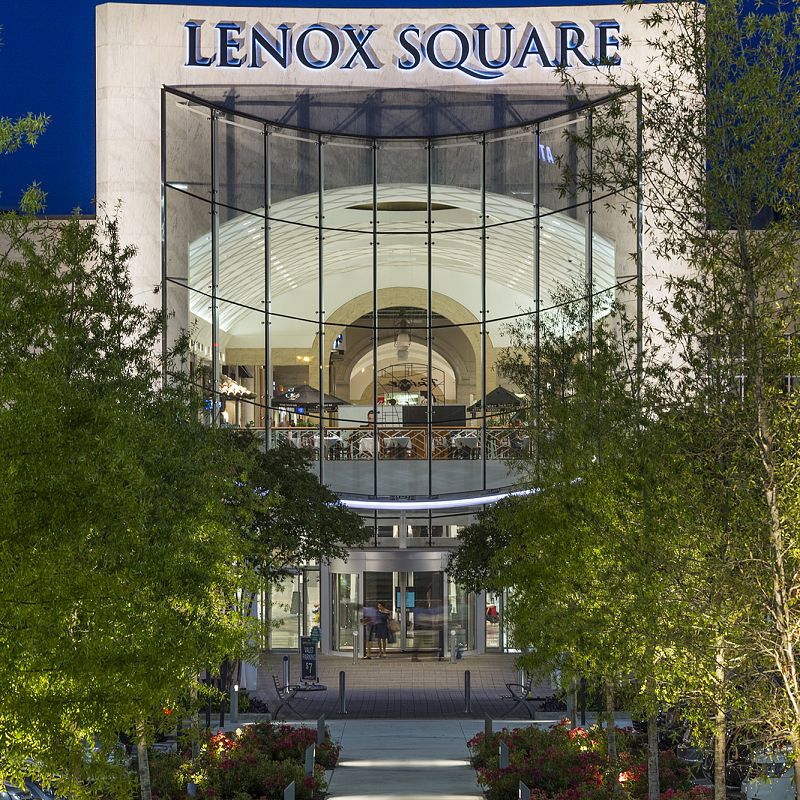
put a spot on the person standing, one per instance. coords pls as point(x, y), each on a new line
point(381, 629)
point(369, 618)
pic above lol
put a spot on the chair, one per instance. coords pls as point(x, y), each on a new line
point(285, 694)
point(522, 696)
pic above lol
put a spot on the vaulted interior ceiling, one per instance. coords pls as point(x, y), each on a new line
point(402, 253)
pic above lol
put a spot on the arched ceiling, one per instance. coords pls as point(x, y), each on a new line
point(402, 257)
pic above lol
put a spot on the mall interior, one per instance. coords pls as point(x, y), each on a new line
point(348, 263)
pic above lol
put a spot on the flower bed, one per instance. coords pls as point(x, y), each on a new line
point(256, 763)
point(571, 764)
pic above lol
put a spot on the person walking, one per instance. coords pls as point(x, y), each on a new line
point(381, 629)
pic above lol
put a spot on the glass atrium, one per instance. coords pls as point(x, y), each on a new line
point(347, 264)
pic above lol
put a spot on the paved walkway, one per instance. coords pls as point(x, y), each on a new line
point(404, 759)
point(400, 688)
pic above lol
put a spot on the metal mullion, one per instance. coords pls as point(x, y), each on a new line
point(429, 316)
point(375, 326)
point(321, 300)
point(164, 307)
point(267, 288)
point(537, 279)
point(639, 233)
point(483, 312)
point(215, 365)
point(588, 233)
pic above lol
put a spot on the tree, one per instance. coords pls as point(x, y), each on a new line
point(120, 553)
point(720, 165)
point(587, 557)
point(14, 133)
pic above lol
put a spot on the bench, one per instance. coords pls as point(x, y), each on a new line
point(522, 696)
point(289, 692)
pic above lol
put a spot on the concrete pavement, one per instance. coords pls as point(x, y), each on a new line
point(399, 687)
point(403, 759)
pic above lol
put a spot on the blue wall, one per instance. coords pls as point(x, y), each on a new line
point(47, 66)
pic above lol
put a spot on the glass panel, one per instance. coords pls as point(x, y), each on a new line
point(240, 166)
point(460, 617)
point(346, 609)
point(294, 177)
point(510, 167)
point(285, 613)
point(188, 142)
point(562, 157)
point(425, 618)
point(294, 335)
point(347, 285)
point(494, 621)
point(614, 252)
point(456, 286)
point(402, 300)
point(311, 602)
point(379, 591)
point(188, 228)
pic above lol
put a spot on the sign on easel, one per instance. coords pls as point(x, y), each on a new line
point(308, 659)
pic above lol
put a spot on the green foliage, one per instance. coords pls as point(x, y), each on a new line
point(121, 558)
point(566, 764)
point(305, 522)
point(258, 761)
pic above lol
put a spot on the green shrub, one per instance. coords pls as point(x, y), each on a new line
point(569, 764)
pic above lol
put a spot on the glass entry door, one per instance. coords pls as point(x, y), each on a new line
point(416, 600)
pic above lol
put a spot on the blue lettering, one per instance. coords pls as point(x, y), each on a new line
point(229, 44)
point(530, 45)
point(262, 40)
point(193, 56)
point(304, 54)
point(462, 52)
point(414, 50)
point(361, 48)
point(604, 40)
point(566, 45)
point(482, 46)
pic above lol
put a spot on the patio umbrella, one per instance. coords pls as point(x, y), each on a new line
point(498, 398)
point(306, 396)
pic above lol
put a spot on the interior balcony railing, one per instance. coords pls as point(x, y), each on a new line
point(354, 444)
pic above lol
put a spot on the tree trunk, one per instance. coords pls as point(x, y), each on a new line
point(653, 780)
point(720, 728)
point(784, 654)
point(611, 734)
point(794, 740)
point(144, 764)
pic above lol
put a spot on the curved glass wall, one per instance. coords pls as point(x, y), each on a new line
point(350, 294)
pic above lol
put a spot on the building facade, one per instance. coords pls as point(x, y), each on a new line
point(346, 209)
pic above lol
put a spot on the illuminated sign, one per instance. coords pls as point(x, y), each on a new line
point(479, 51)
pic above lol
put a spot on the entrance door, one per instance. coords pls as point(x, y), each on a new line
point(416, 600)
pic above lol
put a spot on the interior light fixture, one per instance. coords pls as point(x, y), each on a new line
point(433, 505)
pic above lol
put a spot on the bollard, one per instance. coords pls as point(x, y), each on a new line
point(235, 703)
point(503, 755)
point(288, 792)
point(487, 726)
point(191, 789)
point(342, 700)
point(355, 647)
point(452, 647)
point(321, 730)
point(309, 760)
point(524, 792)
point(521, 677)
point(583, 702)
point(467, 692)
point(286, 670)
